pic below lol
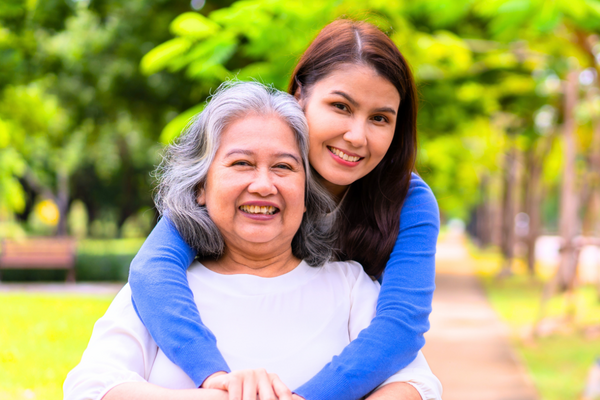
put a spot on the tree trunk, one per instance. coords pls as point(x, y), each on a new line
point(531, 208)
point(534, 193)
point(62, 202)
point(594, 209)
point(484, 223)
point(507, 238)
point(564, 278)
point(568, 223)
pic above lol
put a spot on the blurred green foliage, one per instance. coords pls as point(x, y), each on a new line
point(90, 90)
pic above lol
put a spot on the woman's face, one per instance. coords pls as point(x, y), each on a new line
point(351, 116)
point(254, 189)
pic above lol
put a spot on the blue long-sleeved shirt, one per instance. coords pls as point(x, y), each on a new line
point(165, 304)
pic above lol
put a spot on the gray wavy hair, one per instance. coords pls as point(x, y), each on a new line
point(185, 165)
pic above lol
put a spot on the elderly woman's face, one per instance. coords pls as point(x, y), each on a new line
point(254, 189)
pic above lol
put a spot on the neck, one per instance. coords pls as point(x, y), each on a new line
point(336, 191)
point(237, 262)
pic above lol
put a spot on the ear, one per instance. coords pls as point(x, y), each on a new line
point(201, 199)
point(298, 95)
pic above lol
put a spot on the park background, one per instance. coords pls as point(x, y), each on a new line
point(509, 141)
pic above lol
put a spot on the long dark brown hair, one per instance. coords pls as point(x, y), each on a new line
point(370, 214)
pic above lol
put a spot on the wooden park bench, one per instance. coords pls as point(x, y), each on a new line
point(39, 253)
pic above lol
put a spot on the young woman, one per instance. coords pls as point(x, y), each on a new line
point(360, 100)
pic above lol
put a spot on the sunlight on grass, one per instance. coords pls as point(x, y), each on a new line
point(43, 338)
point(558, 363)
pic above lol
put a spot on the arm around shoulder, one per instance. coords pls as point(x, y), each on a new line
point(161, 296)
point(403, 308)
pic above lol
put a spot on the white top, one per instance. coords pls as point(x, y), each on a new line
point(291, 325)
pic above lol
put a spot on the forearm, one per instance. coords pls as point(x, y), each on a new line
point(396, 391)
point(164, 302)
point(148, 391)
point(395, 335)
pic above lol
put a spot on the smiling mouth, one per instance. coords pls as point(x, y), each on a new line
point(343, 155)
point(265, 210)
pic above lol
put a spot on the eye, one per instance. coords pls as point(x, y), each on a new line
point(241, 163)
point(341, 106)
point(380, 118)
point(284, 166)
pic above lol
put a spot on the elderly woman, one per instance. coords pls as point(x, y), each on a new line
point(238, 187)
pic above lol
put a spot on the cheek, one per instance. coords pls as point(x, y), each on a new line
point(313, 153)
point(295, 199)
point(317, 149)
point(382, 144)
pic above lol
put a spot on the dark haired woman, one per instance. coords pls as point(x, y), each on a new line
point(360, 100)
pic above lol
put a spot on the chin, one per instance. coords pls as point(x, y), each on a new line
point(257, 237)
point(342, 180)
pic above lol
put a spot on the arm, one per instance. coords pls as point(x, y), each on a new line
point(425, 385)
point(120, 350)
point(148, 391)
point(396, 391)
point(413, 382)
point(164, 302)
point(118, 360)
point(403, 309)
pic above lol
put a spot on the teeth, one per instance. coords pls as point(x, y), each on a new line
point(267, 210)
point(343, 155)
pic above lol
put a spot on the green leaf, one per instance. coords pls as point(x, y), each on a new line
point(162, 55)
point(176, 126)
point(4, 134)
point(194, 25)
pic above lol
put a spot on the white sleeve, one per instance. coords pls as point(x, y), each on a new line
point(120, 350)
point(419, 375)
point(364, 293)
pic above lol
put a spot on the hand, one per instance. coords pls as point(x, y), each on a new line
point(396, 391)
point(247, 384)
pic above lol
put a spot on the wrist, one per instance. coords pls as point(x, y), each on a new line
point(206, 382)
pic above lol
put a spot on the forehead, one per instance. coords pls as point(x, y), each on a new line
point(264, 133)
point(361, 81)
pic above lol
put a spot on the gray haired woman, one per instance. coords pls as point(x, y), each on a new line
point(185, 167)
point(238, 187)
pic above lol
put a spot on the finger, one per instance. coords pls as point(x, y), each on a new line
point(265, 388)
point(249, 386)
point(233, 385)
point(280, 388)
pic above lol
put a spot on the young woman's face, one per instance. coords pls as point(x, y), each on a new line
point(351, 116)
point(254, 190)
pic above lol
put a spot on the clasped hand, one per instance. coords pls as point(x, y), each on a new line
point(249, 384)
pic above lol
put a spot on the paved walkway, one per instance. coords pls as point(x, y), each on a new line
point(467, 346)
point(100, 289)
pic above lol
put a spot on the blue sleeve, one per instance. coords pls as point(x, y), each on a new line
point(164, 302)
point(395, 335)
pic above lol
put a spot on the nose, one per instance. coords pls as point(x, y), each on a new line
point(263, 184)
point(356, 135)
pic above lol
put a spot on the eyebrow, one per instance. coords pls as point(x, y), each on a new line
point(355, 103)
point(251, 153)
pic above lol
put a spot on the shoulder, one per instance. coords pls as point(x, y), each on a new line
point(420, 204)
point(350, 271)
point(122, 301)
point(420, 194)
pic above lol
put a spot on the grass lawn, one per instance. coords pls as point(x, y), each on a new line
point(558, 363)
point(42, 337)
